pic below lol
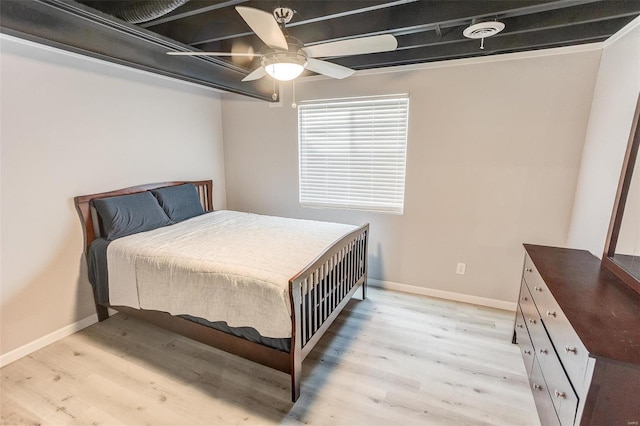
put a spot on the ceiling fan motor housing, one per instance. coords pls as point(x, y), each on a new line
point(294, 55)
point(285, 65)
point(277, 57)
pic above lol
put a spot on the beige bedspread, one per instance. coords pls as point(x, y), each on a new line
point(221, 266)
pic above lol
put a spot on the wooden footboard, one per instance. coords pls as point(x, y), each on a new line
point(320, 291)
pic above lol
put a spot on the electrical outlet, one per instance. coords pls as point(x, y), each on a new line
point(461, 268)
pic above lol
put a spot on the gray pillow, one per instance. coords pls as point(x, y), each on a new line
point(129, 214)
point(179, 202)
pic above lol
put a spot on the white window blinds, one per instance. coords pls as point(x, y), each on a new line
point(352, 153)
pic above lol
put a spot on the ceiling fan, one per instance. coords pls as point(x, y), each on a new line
point(286, 57)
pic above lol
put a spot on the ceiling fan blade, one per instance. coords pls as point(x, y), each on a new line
point(329, 68)
point(265, 27)
point(255, 74)
point(354, 46)
point(212, 54)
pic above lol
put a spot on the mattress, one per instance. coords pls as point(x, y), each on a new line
point(221, 266)
point(99, 279)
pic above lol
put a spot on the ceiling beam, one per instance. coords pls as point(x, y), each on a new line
point(80, 29)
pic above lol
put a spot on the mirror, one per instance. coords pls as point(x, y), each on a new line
point(627, 251)
point(622, 252)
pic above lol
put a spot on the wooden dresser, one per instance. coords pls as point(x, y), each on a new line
point(578, 327)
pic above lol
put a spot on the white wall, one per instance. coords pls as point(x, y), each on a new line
point(73, 126)
point(614, 102)
point(493, 158)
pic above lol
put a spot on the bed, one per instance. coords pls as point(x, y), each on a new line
point(302, 288)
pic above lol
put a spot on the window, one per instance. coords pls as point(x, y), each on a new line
point(352, 153)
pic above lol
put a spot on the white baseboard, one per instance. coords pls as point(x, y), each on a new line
point(441, 294)
point(50, 338)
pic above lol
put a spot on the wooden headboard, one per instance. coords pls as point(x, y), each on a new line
point(204, 187)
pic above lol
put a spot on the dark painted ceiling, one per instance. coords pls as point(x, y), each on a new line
point(426, 31)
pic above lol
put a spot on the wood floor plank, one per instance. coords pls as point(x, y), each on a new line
point(393, 359)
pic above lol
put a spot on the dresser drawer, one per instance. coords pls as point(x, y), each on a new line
point(544, 405)
point(531, 317)
point(564, 398)
point(544, 350)
point(532, 276)
point(572, 353)
point(524, 341)
point(562, 394)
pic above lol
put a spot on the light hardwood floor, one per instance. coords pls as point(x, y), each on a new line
point(393, 359)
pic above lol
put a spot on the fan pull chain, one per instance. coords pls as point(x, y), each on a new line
point(293, 84)
point(482, 43)
point(274, 96)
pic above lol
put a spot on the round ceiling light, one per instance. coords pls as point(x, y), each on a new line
point(284, 66)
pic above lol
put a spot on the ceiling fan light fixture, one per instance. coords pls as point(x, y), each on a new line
point(284, 66)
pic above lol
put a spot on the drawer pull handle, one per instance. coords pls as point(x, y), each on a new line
point(538, 289)
point(572, 349)
point(560, 394)
point(532, 321)
point(529, 269)
point(537, 387)
point(519, 325)
point(544, 351)
point(551, 314)
point(527, 352)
